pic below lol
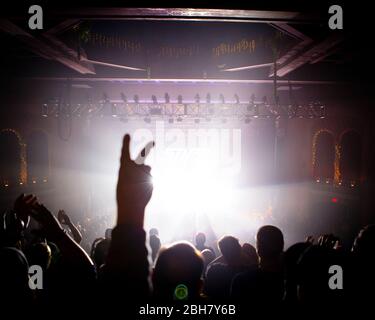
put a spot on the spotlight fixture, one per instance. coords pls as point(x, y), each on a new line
point(252, 99)
point(170, 120)
point(208, 98)
point(322, 112)
point(197, 98)
point(167, 98)
point(45, 110)
point(256, 111)
point(136, 99)
point(124, 98)
point(221, 97)
point(264, 100)
point(247, 120)
point(179, 119)
point(179, 99)
point(147, 120)
point(154, 100)
point(114, 110)
point(105, 98)
point(237, 98)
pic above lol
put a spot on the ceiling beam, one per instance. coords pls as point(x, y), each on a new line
point(47, 47)
point(179, 80)
point(63, 26)
point(306, 52)
point(263, 16)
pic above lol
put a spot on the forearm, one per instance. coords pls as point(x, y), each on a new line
point(72, 253)
point(127, 260)
point(77, 236)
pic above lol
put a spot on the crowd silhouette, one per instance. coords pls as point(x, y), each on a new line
point(126, 267)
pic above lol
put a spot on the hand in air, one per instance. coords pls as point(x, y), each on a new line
point(134, 186)
point(63, 217)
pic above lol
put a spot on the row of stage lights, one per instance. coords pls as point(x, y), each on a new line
point(7, 184)
point(351, 184)
point(179, 110)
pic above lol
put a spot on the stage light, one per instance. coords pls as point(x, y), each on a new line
point(197, 98)
point(6, 185)
point(327, 181)
point(147, 120)
point(114, 110)
point(179, 119)
point(317, 180)
point(256, 111)
point(21, 183)
point(154, 99)
point(208, 98)
point(352, 184)
point(237, 98)
point(45, 180)
point(170, 120)
point(167, 98)
point(179, 99)
point(34, 181)
point(196, 121)
point(252, 99)
point(221, 97)
point(124, 98)
point(247, 120)
point(323, 112)
point(45, 110)
point(136, 99)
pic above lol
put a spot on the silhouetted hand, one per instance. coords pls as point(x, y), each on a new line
point(63, 217)
point(23, 206)
point(327, 241)
point(134, 186)
point(310, 239)
point(49, 223)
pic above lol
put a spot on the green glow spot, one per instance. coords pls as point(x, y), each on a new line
point(181, 292)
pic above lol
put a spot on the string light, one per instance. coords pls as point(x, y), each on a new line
point(337, 173)
point(23, 163)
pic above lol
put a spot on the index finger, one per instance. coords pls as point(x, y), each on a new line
point(125, 152)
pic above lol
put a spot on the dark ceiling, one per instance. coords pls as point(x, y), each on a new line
point(98, 41)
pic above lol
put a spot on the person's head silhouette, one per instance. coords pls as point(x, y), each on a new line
point(178, 264)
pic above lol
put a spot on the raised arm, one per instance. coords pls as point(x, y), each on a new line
point(127, 261)
point(65, 219)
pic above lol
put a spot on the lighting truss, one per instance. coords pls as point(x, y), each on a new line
point(178, 111)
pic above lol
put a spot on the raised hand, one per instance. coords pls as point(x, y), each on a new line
point(23, 206)
point(134, 186)
point(327, 241)
point(63, 217)
point(49, 223)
